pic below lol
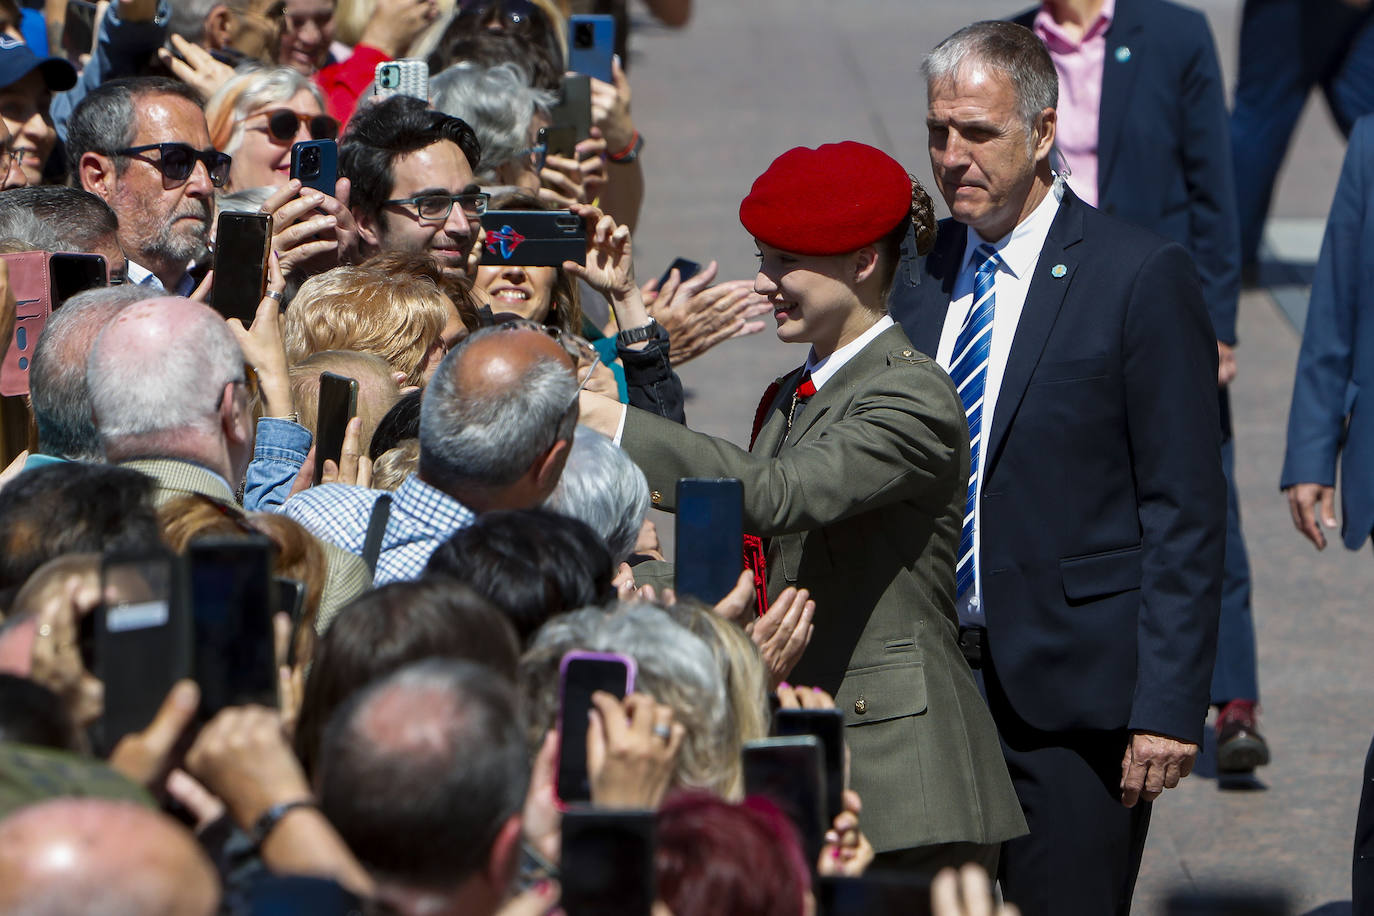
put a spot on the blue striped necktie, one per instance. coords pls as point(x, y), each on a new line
point(968, 368)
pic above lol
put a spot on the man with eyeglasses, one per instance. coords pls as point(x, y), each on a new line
point(142, 146)
point(413, 190)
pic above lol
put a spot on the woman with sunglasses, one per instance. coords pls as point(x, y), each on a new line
point(857, 476)
point(257, 115)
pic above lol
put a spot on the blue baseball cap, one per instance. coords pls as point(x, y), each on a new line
point(17, 61)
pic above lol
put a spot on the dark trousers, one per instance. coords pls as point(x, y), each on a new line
point(1083, 851)
point(1235, 676)
point(1287, 48)
point(1362, 875)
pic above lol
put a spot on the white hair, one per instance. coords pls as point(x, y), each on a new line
point(135, 392)
point(497, 103)
point(604, 488)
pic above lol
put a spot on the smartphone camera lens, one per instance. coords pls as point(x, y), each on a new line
point(310, 162)
point(583, 35)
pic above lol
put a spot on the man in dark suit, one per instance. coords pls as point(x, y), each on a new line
point(1090, 568)
point(1143, 129)
point(1328, 418)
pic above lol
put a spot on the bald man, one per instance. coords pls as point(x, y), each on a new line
point(496, 424)
point(173, 399)
point(87, 855)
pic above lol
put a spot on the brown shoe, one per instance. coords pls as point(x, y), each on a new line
point(1240, 746)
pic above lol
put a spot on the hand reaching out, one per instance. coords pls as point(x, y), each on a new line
point(783, 633)
point(195, 66)
point(698, 316)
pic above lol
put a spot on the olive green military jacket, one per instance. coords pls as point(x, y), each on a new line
point(863, 505)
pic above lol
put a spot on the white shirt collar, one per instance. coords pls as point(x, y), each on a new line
point(141, 276)
point(1020, 248)
point(822, 370)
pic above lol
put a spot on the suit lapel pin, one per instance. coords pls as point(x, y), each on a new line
point(1123, 54)
point(1058, 271)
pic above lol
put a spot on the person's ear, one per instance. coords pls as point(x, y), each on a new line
point(96, 172)
point(232, 414)
point(369, 228)
point(864, 263)
point(220, 25)
point(1045, 124)
point(549, 467)
point(504, 857)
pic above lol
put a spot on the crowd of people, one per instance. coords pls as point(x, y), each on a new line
point(989, 524)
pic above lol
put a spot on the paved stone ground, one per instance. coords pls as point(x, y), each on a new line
point(752, 78)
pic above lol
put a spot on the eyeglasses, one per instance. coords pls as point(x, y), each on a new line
point(176, 161)
point(512, 12)
point(579, 349)
point(283, 124)
point(436, 207)
point(538, 154)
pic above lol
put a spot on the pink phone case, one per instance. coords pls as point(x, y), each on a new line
point(33, 301)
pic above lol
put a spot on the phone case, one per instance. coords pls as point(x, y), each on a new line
point(591, 45)
point(533, 238)
point(571, 782)
point(710, 537)
point(316, 164)
point(33, 305)
point(237, 265)
point(402, 77)
point(574, 108)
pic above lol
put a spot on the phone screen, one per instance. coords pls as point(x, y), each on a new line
point(242, 245)
point(232, 600)
point(138, 641)
point(788, 772)
point(827, 725)
point(582, 674)
point(608, 863)
point(710, 537)
point(574, 108)
point(338, 405)
point(70, 273)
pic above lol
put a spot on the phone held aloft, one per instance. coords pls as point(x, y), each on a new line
point(580, 674)
point(533, 238)
point(41, 282)
point(243, 243)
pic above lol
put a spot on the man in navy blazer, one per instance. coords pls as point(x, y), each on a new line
point(1143, 124)
point(1328, 418)
point(1097, 503)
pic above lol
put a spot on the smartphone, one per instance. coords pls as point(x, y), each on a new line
point(574, 108)
point(70, 273)
point(874, 894)
point(1235, 900)
point(139, 640)
point(686, 270)
point(338, 405)
point(243, 242)
point(710, 537)
point(827, 725)
point(790, 772)
point(608, 863)
point(591, 45)
point(402, 77)
point(581, 674)
point(290, 600)
point(558, 141)
point(28, 271)
point(315, 163)
point(232, 601)
point(533, 238)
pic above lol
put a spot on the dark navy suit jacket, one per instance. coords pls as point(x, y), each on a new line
point(1103, 511)
point(1337, 358)
point(1164, 142)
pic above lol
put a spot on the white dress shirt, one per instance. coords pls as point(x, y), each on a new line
point(822, 370)
point(1019, 251)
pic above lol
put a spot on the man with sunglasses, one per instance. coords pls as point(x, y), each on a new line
point(411, 170)
point(142, 146)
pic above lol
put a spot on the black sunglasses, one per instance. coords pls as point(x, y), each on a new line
point(283, 125)
point(176, 161)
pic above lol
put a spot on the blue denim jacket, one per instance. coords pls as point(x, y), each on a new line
point(278, 453)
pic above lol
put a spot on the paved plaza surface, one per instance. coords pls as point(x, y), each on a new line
point(752, 78)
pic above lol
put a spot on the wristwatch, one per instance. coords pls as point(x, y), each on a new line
point(270, 818)
point(635, 335)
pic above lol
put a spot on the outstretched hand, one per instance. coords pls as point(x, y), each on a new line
point(610, 266)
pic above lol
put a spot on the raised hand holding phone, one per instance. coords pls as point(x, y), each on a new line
point(312, 230)
point(264, 347)
point(338, 406)
point(632, 749)
point(580, 675)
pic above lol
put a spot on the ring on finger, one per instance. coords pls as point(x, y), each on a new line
point(663, 731)
point(45, 630)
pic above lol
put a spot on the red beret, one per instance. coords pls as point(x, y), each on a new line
point(833, 199)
